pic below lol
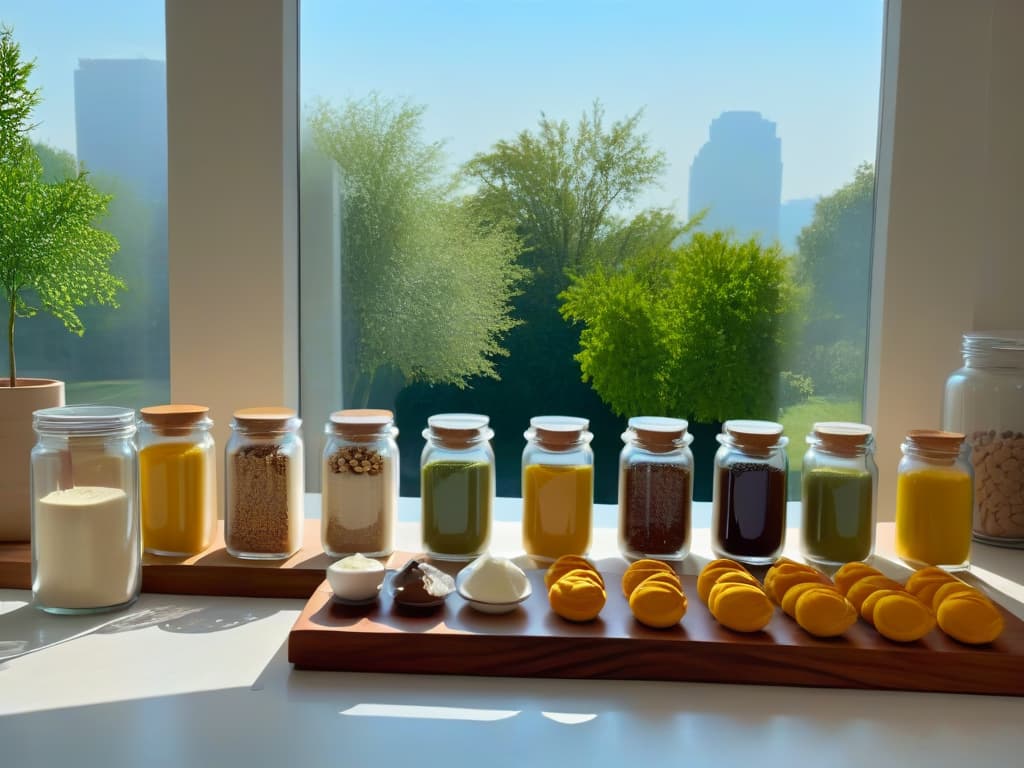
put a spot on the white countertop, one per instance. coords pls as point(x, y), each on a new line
point(189, 681)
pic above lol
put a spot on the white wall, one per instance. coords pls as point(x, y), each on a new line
point(232, 92)
point(947, 257)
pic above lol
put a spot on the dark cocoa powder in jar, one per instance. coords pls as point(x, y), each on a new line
point(751, 510)
point(656, 515)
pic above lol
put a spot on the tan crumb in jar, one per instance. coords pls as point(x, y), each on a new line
point(998, 461)
point(359, 501)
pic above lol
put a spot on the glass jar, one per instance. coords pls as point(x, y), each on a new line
point(749, 496)
point(86, 547)
point(264, 484)
point(655, 489)
point(359, 483)
point(177, 479)
point(984, 400)
point(934, 504)
point(457, 485)
point(558, 487)
point(840, 483)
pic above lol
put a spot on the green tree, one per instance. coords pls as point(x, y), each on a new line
point(562, 188)
point(52, 257)
point(693, 330)
point(426, 285)
point(834, 262)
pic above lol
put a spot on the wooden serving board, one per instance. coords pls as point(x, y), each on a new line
point(212, 572)
point(534, 642)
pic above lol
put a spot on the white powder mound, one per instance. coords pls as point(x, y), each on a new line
point(495, 580)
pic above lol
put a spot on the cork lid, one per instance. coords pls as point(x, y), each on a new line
point(935, 440)
point(844, 437)
point(176, 416)
point(558, 432)
point(753, 434)
point(266, 419)
point(361, 421)
point(458, 430)
point(658, 433)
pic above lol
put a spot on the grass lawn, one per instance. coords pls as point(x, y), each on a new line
point(799, 419)
point(130, 393)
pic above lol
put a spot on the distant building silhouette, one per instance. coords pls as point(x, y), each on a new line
point(737, 177)
point(794, 215)
point(121, 122)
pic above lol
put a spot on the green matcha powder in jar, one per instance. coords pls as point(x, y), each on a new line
point(457, 485)
point(840, 481)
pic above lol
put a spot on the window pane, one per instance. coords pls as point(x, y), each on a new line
point(101, 74)
point(599, 209)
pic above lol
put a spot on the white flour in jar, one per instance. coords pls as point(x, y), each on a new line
point(87, 553)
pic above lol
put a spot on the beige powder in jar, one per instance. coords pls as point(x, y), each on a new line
point(358, 507)
point(86, 548)
point(265, 503)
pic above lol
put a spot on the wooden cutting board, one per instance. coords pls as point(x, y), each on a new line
point(212, 572)
point(534, 642)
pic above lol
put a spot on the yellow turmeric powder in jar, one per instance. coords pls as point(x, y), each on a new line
point(177, 485)
point(934, 501)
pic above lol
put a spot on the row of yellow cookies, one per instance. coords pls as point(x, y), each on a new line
point(576, 591)
point(903, 613)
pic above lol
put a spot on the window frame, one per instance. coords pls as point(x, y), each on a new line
point(946, 153)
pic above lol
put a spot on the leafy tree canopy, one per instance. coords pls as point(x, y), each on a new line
point(428, 286)
point(52, 257)
point(562, 187)
point(835, 257)
point(692, 330)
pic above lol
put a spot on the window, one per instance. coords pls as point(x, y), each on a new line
point(475, 174)
point(101, 71)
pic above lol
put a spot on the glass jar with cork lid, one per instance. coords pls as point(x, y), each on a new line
point(457, 485)
point(748, 512)
point(177, 479)
point(934, 500)
point(655, 489)
point(984, 400)
point(359, 488)
point(264, 484)
point(86, 547)
point(840, 481)
point(558, 487)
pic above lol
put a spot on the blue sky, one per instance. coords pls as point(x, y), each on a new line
point(486, 69)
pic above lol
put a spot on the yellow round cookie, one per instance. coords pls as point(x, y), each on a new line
point(632, 578)
point(567, 563)
point(707, 578)
point(928, 574)
point(850, 573)
point(657, 604)
point(867, 608)
point(903, 618)
point(789, 576)
point(969, 620)
point(859, 592)
point(742, 608)
point(738, 577)
point(793, 594)
point(823, 612)
point(577, 597)
point(957, 587)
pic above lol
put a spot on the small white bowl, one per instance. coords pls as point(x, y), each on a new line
point(485, 607)
point(355, 586)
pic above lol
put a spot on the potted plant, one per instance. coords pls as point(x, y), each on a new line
point(52, 258)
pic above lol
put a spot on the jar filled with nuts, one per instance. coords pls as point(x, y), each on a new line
point(360, 483)
point(984, 400)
